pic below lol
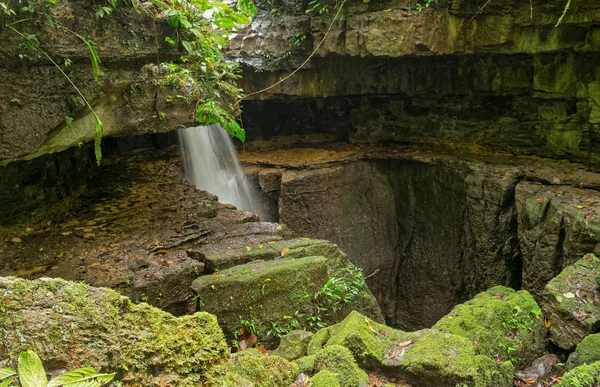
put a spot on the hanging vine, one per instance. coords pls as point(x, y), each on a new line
point(200, 29)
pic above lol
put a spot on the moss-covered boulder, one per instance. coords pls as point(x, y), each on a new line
point(442, 359)
point(367, 345)
point(274, 293)
point(293, 345)
point(71, 325)
point(252, 368)
point(571, 302)
point(339, 360)
point(587, 352)
point(427, 357)
point(587, 375)
point(502, 323)
point(306, 364)
point(324, 378)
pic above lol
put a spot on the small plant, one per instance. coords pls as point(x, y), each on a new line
point(298, 40)
point(424, 4)
point(31, 373)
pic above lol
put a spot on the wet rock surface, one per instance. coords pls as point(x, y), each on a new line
point(571, 302)
point(459, 75)
point(145, 231)
point(432, 229)
point(36, 99)
point(557, 226)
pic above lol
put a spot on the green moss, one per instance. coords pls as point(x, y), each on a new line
point(306, 364)
point(501, 322)
point(583, 376)
point(587, 352)
point(318, 340)
point(442, 359)
point(324, 378)
point(366, 345)
point(561, 303)
point(70, 322)
point(339, 360)
point(266, 291)
point(293, 345)
point(256, 368)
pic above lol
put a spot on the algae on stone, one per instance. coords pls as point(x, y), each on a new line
point(324, 378)
point(587, 375)
point(265, 292)
point(293, 345)
point(501, 322)
point(571, 302)
point(254, 368)
point(306, 364)
point(427, 357)
point(587, 352)
point(73, 324)
point(339, 360)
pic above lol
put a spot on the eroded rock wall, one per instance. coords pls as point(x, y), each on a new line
point(496, 80)
point(36, 99)
point(429, 234)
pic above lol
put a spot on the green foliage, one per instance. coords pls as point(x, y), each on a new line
point(424, 4)
point(247, 7)
point(344, 287)
point(202, 68)
point(31, 374)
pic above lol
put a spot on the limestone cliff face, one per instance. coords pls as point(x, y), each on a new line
point(35, 98)
point(496, 79)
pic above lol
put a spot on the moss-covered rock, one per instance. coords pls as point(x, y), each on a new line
point(367, 346)
point(443, 359)
point(502, 323)
point(571, 302)
point(587, 352)
point(252, 367)
point(265, 292)
point(587, 375)
point(324, 378)
point(71, 324)
point(427, 357)
point(306, 364)
point(293, 345)
point(339, 360)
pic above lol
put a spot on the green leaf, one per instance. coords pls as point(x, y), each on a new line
point(94, 58)
point(31, 370)
point(170, 41)
point(83, 377)
point(98, 138)
point(247, 7)
point(7, 381)
point(6, 376)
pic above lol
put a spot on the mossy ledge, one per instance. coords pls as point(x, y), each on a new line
point(70, 325)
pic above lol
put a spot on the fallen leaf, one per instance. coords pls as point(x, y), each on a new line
point(569, 295)
point(262, 349)
point(285, 251)
point(547, 323)
point(260, 246)
point(16, 240)
point(405, 343)
point(371, 326)
point(161, 251)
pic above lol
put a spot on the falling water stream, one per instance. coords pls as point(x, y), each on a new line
point(211, 164)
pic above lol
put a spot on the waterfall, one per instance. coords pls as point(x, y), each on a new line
point(210, 162)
